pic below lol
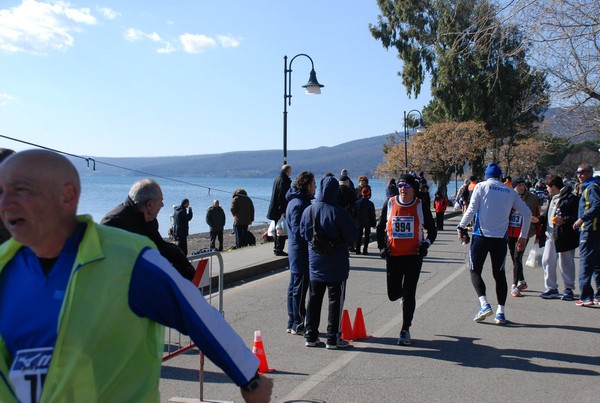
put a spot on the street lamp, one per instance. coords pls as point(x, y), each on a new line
point(420, 129)
point(312, 88)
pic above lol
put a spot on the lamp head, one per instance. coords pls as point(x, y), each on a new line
point(312, 86)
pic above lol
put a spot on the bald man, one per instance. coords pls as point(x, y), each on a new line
point(82, 305)
point(215, 218)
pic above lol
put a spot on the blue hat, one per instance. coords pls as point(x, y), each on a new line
point(493, 171)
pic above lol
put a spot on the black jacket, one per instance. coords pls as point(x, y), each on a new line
point(278, 204)
point(365, 213)
point(127, 217)
point(215, 218)
point(182, 221)
point(565, 237)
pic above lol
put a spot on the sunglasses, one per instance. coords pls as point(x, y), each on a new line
point(579, 172)
point(404, 185)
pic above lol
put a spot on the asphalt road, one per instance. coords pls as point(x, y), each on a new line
point(549, 351)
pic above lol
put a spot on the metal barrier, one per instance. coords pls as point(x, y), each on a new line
point(175, 342)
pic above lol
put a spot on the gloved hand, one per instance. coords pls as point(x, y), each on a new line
point(423, 247)
point(384, 253)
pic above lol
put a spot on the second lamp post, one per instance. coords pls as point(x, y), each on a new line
point(420, 129)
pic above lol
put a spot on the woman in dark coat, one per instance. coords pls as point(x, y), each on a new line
point(298, 197)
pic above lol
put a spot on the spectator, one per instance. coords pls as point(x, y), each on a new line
point(242, 209)
point(440, 204)
point(391, 190)
point(515, 223)
point(330, 271)
point(299, 197)
point(402, 244)
point(463, 195)
point(138, 214)
point(423, 194)
point(490, 204)
point(365, 216)
point(215, 218)
point(278, 204)
point(363, 182)
point(89, 323)
point(4, 234)
point(183, 216)
point(559, 239)
point(344, 172)
point(589, 237)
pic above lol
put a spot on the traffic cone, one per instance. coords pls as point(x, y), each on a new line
point(346, 326)
point(259, 351)
point(359, 330)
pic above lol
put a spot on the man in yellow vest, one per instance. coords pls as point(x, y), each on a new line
point(402, 243)
point(82, 305)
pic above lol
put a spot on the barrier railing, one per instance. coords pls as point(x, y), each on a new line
point(175, 342)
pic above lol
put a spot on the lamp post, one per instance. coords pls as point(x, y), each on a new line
point(312, 88)
point(420, 129)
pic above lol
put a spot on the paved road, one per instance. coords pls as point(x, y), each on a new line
point(549, 351)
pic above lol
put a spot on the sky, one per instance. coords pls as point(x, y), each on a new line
point(143, 78)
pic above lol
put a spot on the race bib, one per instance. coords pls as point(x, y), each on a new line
point(403, 227)
point(28, 373)
point(515, 219)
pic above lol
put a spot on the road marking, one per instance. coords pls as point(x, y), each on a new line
point(314, 380)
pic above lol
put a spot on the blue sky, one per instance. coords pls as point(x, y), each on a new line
point(156, 78)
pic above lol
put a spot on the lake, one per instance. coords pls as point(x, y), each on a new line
point(100, 194)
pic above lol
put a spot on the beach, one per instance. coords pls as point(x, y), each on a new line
point(201, 240)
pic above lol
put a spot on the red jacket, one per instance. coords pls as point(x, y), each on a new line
point(440, 205)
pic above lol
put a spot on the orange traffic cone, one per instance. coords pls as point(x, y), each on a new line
point(259, 352)
point(359, 330)
point(346, 326)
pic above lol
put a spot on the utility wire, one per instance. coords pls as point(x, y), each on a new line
point(93, 162)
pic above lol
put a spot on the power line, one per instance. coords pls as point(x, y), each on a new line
point(92, 161)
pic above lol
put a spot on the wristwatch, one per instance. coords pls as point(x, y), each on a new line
point(252, 384)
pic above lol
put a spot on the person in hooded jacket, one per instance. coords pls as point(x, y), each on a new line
point(298, 197)
point(559, 239)
point(242, 210)
point(329, 271)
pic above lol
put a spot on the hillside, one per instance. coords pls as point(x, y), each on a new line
point(360, 157)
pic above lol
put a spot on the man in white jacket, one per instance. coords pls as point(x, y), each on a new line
point(490, 204)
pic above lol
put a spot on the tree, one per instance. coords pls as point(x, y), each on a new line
point(489, 81)
point(440, 151)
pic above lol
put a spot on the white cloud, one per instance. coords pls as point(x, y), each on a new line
point(5, 99)
point(197, 43)
point(228, 41)
point(108, 13)
point(38, 27)
point(136, 35)
point(189, 43)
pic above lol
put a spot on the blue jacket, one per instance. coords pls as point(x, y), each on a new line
point(335, 224)
point(589, 205)
point(297, 246)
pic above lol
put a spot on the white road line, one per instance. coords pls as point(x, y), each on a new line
point(314, 380)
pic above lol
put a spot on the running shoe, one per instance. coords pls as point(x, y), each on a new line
point(314, 343)
point(550, 294)
point(596, 301)
point(567, 295)
point(299, 330)
point(500, 319)
point(515, 292)
point(586, 302)
point(522, 285)
point(341, 343)
point(404, 339)
point(483, 312)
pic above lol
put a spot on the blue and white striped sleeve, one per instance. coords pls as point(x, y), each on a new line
point(158, 292)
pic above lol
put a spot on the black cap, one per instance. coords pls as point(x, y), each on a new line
point(407, 179)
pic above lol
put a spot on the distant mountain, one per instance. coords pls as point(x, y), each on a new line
point(359, 157)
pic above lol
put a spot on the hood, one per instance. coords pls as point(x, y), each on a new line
point(239, 192)
point(566, 189)
point(293, 193)
point(328, 191)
